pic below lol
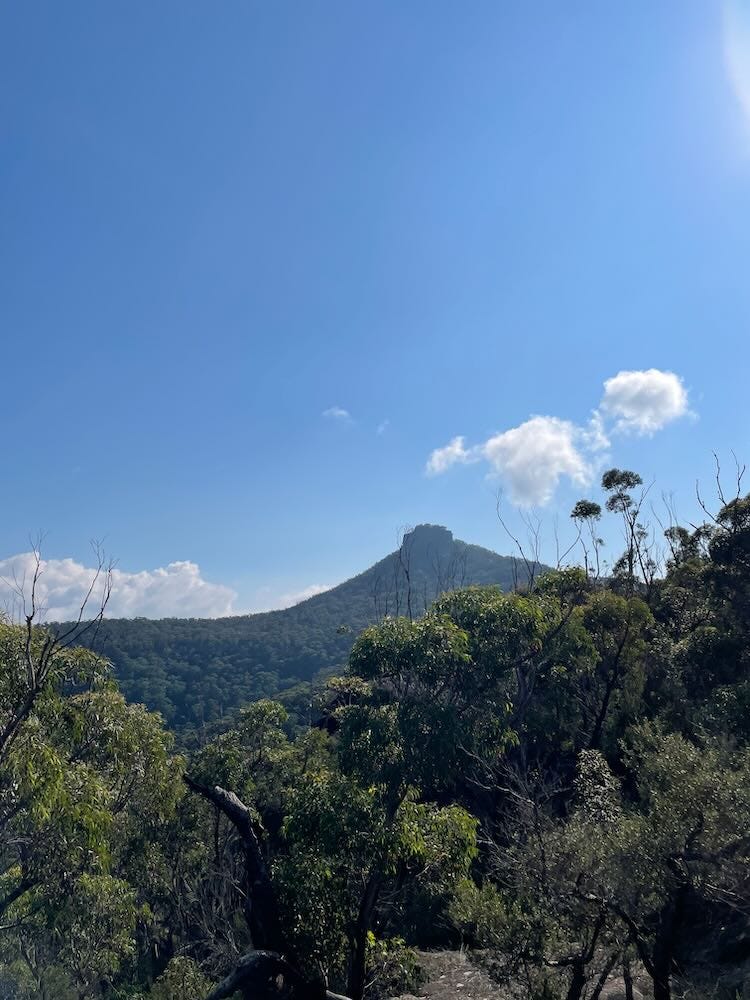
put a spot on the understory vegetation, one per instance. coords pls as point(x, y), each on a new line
point(557, 777)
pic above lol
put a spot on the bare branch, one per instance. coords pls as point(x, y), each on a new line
point(529, 565)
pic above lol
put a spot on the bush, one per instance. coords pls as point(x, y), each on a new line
point(181, 979)
point(393, 967)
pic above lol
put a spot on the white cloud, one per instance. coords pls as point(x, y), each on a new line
point(382, 426)
point(443, 458)
point(532, 458)
point(594, 437)
point(336, 413)
point(177, 590)
point(644, 401)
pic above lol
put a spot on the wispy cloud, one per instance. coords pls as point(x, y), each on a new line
point(382, 426)
point(532, 458)
point(453, 453)
point(336, 413)
point(176, 590)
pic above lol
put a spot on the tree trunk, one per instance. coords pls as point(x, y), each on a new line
point(611, 683)
point(577, 981)
point(604, 976)
point(15, 894)
point(663, 954)
point(663, 988)
point(358, 962)
point(662, 974)
point(254, 975)
point(254, 978)
point(261, 906)
point(627, 978)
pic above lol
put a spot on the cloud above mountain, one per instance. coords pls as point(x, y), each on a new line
point(532, 458)
point(454, 452)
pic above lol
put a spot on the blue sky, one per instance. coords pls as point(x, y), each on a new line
point(220, 222)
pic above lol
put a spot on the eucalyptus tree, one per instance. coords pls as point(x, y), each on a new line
point(330, 831)
point(85, 783)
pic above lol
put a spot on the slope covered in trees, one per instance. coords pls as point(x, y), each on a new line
point(196, 670)
point(558, 776)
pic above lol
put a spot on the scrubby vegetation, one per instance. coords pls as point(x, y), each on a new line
point(558, 776)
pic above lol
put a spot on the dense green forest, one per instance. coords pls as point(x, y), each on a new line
point(195, 671)
point(556, 777)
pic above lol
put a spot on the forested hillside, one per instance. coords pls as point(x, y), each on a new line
point(196, 670)
point(556, 778)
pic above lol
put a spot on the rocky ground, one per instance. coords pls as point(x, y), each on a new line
point(455, 975)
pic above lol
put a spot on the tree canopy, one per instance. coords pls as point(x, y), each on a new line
point(558, 775)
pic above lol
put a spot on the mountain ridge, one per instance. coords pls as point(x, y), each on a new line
point(195, 670)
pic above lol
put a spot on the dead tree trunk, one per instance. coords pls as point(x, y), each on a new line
point(255, 975)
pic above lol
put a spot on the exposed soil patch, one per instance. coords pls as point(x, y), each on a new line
point(452, 974)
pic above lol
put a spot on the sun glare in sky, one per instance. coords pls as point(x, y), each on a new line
point(737, 50)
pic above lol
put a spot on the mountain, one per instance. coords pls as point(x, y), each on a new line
point(195, 670)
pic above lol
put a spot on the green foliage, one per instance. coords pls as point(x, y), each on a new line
point(560, 777)
point(394, 967)
point(181, 979)
point(198, 671)
point(338, 833)
point(598, 793)
point(96, 926)
point(486, 919)
point(87, 783)
point(586, 510)
point(619, 483)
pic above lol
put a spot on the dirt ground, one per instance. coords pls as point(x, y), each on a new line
point(451, 974)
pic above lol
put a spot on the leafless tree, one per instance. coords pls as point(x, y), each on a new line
point(529, 555)
point(724, 498)
point(405, 563)
point(38, 658)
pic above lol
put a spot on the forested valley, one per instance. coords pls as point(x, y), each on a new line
point(555, 777)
